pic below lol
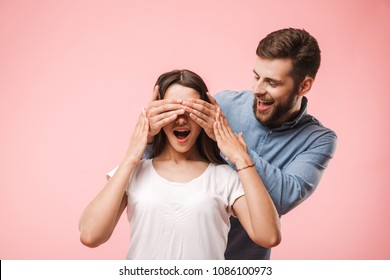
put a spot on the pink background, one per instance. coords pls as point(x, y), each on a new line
point(74, 75)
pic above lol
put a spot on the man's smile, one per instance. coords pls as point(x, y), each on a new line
point(263, 105)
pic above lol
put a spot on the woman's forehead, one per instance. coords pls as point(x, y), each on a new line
point(180, 92)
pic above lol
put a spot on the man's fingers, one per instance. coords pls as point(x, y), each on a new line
point(160, 113)
point(205, 124)
point(199, 104)
point(212, 100)
point(155, 93)
point(198, 120)
point(161, 106)
point(200, 111)
point(161, 122)
point(197, 115)
point(167, 115)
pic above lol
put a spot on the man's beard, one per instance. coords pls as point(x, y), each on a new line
point(277, 111)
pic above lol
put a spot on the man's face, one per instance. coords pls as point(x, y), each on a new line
point(275, 94)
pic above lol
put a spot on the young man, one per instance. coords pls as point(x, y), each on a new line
point(289, 147)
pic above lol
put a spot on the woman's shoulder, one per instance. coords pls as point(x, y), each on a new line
point(145, 164)
point(221, 169)
point(225, 179)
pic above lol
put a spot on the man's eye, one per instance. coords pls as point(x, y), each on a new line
point(272, 83)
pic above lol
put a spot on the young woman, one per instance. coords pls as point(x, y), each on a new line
point(179, 201)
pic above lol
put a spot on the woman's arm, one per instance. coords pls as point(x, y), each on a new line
point(255, 210)
point(100, 217)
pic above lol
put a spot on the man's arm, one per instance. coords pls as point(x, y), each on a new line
point(291, 186)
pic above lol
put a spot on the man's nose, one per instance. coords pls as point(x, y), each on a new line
point(259, 87)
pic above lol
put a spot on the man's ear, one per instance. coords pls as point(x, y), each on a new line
point(305, 86)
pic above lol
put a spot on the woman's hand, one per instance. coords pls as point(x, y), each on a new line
point(232, 146)
point(138, 140)
point(102, 214)
point(255, 210)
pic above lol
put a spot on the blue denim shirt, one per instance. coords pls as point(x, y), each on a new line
point(290, 160)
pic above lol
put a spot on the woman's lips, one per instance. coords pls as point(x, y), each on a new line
point(181, 134)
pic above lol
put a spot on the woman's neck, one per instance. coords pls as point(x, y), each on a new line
point(170, 154)
point(179, 167)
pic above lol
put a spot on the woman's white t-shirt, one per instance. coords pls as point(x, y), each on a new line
point(171, 220)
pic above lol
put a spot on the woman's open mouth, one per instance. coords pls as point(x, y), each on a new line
point(181, 134)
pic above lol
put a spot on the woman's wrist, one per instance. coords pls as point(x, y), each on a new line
point(130, 161)
point(246, 167)
point(243, 162)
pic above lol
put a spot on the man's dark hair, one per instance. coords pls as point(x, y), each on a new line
point(295, 44)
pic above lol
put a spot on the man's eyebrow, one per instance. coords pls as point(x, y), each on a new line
point(278, 82)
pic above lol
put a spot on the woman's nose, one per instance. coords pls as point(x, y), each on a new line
point(182, 119)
